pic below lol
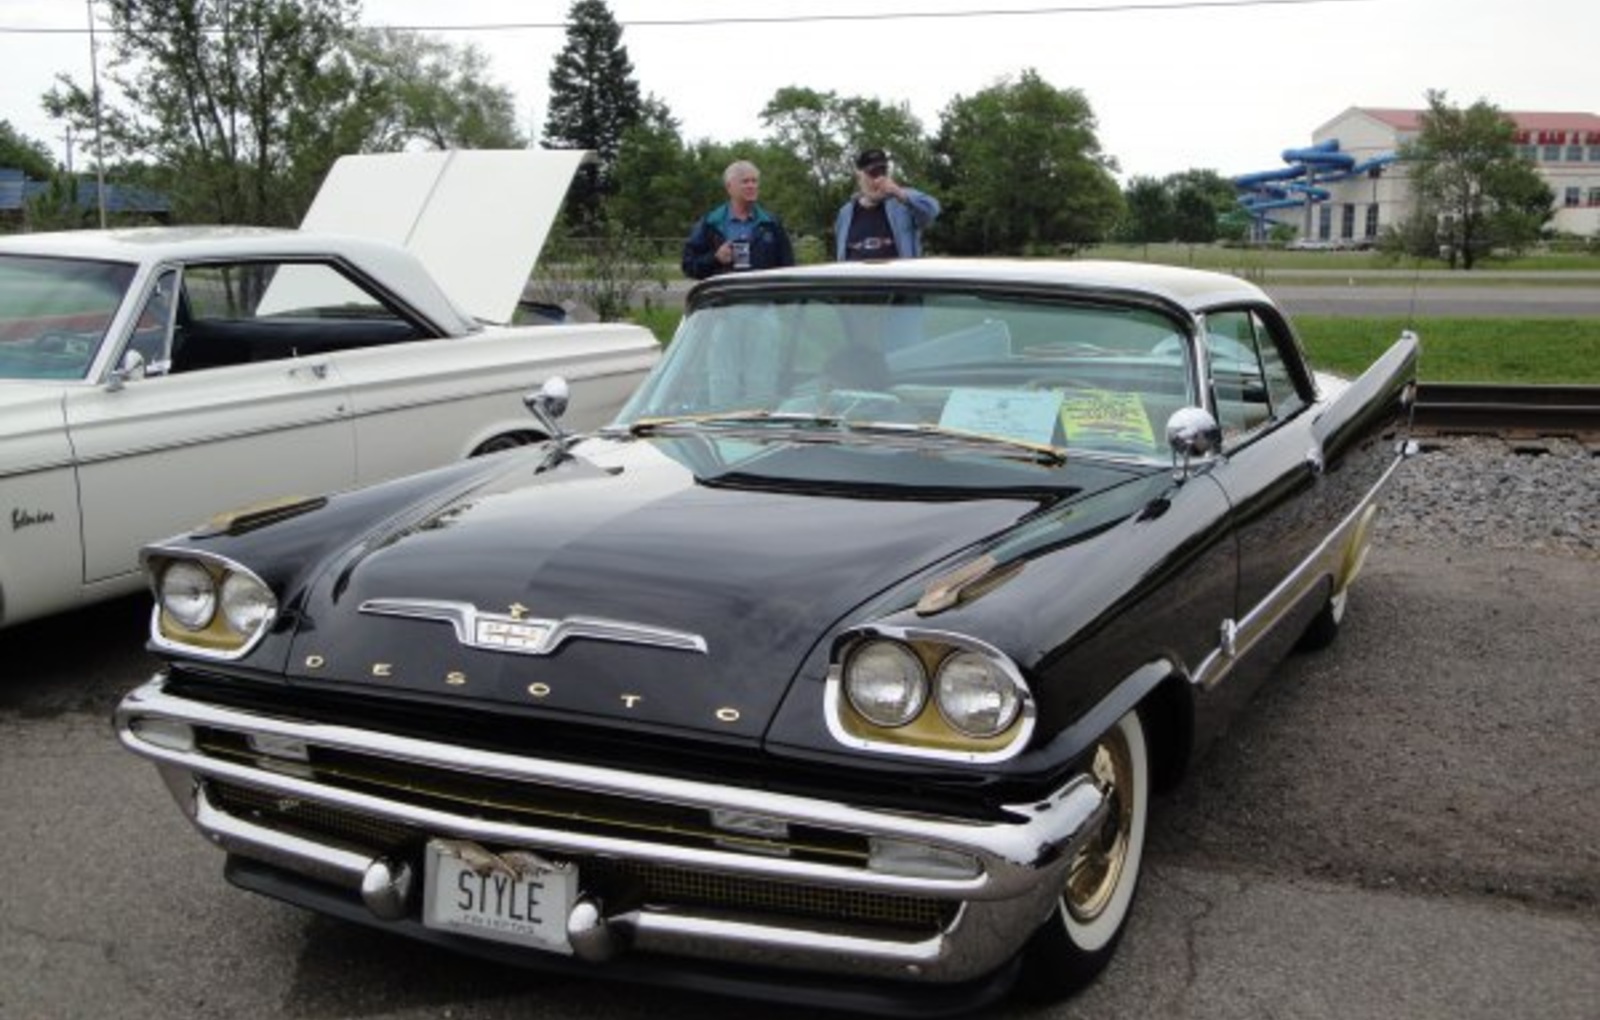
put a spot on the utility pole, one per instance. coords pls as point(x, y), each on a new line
point(99, 151)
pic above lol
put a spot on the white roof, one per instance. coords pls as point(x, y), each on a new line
point(393, 269)
point(1193, 289)
point(473, 221)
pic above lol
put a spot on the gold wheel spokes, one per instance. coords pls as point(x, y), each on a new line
point(1098, 866)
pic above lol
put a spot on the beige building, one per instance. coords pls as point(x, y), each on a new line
point(1358, 188)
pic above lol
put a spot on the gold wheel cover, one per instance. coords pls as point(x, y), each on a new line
point(1097, 868)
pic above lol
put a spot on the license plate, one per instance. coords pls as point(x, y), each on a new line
point(515, 897)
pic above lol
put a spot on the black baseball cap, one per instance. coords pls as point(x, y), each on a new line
point(869, 158)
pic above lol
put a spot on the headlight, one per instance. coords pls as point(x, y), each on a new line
point(188, 595)
point(886, 683)
point(930, 694)
point(975, 696)
point(247, 604)
point(207, 605)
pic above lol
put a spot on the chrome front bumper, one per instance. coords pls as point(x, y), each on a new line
point(1017, 868)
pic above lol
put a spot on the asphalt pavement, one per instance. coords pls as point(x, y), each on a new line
point(1403, 825)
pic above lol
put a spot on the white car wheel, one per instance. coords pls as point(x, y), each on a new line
point(1082, 932)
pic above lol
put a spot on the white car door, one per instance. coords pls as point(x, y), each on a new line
point(161, 453)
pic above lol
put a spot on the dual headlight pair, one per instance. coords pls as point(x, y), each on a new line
point(210, 605)
point(936, 693)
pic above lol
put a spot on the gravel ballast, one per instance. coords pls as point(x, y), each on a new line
point(1480, 492)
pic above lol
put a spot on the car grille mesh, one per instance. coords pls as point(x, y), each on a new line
point(618, 881)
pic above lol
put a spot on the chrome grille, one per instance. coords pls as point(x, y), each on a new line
point(619, 881)
point(534, 805)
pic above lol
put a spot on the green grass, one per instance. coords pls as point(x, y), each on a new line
point(1453, 349)
point(1246, 261)
point(1460, 349)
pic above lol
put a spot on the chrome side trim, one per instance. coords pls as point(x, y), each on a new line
point(524, 635)
point(339, 417)
point(1257, 623)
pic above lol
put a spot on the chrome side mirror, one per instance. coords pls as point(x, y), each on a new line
point(132, 367)
point(1191, 433)
point(548, 404)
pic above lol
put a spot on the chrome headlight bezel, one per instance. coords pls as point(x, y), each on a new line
point(930, 734)
point(242, 607)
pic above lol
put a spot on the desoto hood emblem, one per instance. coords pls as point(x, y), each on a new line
point(520, 634)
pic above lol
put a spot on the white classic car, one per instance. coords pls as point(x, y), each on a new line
point(152, 378)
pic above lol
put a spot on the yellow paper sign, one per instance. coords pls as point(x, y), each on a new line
point(1105, 420)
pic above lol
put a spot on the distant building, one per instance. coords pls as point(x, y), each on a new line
point(1347, 186)
point(17, 190)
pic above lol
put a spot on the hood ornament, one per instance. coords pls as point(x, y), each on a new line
point(520, 634)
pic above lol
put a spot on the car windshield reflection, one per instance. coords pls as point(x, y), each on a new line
point(1042, 377)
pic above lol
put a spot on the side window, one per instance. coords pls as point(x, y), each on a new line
point(152, 330)
point(1236, 378)
point(1250, 378)
point(1282, 392)
point(233, 313)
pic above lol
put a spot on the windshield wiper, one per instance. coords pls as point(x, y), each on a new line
point(922, 431)
point(791, 419)
point(842, 428)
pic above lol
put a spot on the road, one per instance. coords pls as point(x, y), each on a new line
point(1431, 301)
point(1404, 825)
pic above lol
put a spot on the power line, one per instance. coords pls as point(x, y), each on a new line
point(1009, 12)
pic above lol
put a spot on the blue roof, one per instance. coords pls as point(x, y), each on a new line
point(16, 189)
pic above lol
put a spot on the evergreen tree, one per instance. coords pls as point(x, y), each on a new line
point(594, 99)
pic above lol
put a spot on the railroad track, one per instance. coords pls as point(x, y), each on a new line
point(1526, 411)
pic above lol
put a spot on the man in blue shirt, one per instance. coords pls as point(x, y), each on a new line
point(738, 234)
point(885, 219)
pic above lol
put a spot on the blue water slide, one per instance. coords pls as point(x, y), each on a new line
point(1321, 163)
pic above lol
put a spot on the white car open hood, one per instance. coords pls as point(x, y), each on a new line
point(477, 219)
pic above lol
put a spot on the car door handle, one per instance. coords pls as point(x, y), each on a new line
point(315, 369)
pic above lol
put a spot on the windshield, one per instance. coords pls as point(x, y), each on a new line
point(1040, 374)
point(54, 313)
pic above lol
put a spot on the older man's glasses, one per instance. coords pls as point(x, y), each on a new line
point(876, 171)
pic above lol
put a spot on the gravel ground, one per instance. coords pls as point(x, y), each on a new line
point(1491, 493)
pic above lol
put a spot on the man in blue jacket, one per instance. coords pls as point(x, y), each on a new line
point(738, 234)
point(885, 219)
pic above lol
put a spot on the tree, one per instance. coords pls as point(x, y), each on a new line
point(1022, 170)
point(242, 105)
point(1468, 176)
point(1200, 199)
point(29, 155)
point(593, 101)
point(818, 134)
point(654, 191)
point(435, 94)
point(1148, 216)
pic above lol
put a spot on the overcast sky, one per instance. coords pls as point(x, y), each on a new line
point(1214, 84)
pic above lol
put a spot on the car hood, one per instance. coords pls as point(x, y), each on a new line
point(690, 601)
point(477, 219)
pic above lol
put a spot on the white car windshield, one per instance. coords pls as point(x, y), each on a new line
point(1046, 374)
point(54, 314)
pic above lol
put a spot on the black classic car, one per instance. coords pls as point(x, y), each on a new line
point(841, 668)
